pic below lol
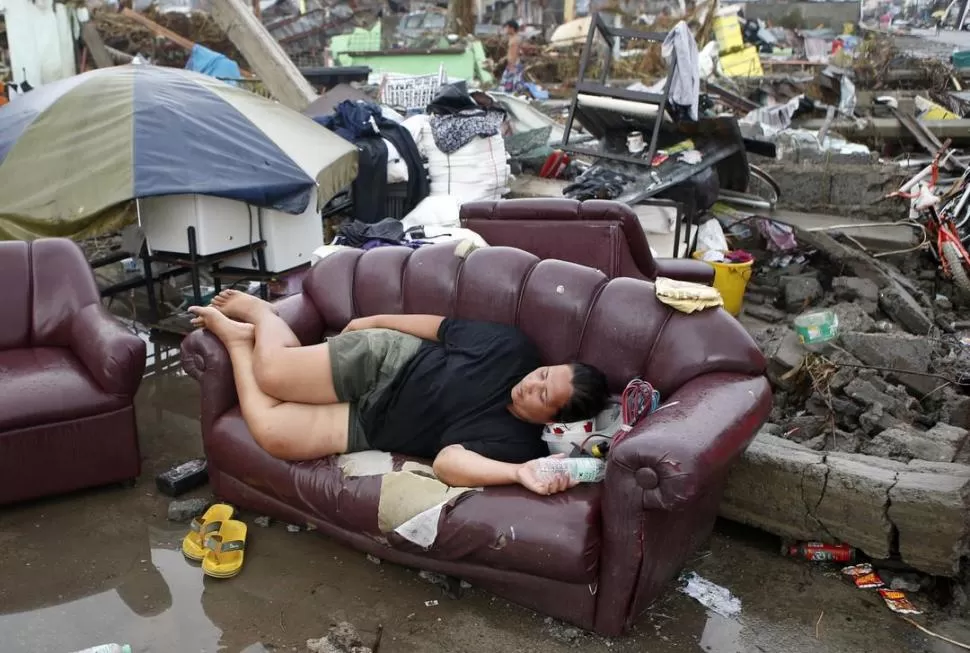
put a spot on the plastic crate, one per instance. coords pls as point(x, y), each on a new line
point(411, 91)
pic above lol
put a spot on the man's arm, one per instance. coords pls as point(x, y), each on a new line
point(459, 467)
point(420, 326)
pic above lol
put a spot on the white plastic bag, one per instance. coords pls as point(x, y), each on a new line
point(441, 210)
point(710, 237)
point(397, 168)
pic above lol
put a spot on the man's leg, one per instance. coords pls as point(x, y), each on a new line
point(283, 368)
point(286, 430)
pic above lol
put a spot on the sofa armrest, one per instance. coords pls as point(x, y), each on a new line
point(113, 355)
point(663, 486)
point(684, 269)
point(206, 360)
point(679, 452)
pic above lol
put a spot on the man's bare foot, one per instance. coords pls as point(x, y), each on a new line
point(241, 306)
point(230, 332)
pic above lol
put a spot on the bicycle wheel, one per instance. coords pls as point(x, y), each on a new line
point(762, 185)
point(955, 261)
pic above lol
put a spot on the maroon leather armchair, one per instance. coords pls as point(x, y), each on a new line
point(601, 234)
point(595, 555)
point(68, 376)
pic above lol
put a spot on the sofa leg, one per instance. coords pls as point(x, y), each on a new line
point(129, 483)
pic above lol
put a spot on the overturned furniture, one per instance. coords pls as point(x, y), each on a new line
point(599, 234)
point(688, 161)
point(69, 373)
point(595, 555)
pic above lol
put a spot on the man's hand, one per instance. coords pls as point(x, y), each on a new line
point(528, 477)
point(360, 323)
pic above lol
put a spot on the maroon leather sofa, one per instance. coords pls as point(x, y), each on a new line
point(596, 555)
point(602, 234)
point(68, 376)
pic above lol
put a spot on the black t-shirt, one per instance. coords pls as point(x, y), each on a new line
point(457, 391)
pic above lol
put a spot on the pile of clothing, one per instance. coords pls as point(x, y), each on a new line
point(388, 155)
point(461, 138)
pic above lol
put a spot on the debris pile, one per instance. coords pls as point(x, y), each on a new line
point(126, 35)
point(891, 383)
point(342, 638)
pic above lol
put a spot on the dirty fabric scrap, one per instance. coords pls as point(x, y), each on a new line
point(376, 463)
point(411, 504)
point(685, 296)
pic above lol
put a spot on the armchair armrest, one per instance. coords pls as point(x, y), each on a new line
point(685, 269)
point(113, 355)
point(206, 360)
point(685, 448)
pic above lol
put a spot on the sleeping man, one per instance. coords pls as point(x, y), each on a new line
point(473, 396)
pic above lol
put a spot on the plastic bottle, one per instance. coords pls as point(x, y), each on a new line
point(107, 648)
point(584, 470)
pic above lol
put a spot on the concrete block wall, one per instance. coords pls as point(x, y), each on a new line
point(813, 14)
point(839, 188)
point(868, 502)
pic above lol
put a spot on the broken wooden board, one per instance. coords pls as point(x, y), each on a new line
point(271, 64)
point(95, 45)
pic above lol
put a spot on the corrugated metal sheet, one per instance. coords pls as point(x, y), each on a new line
point(40, 38)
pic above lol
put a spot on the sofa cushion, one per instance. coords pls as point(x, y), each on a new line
point(510, 528)
point(43, 385)
point(504, 527)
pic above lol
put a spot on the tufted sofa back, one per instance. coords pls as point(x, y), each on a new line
point(42, 284)
point(571, 312)
point(601, 234)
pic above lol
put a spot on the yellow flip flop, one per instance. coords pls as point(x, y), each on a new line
point(193, 544)
point(225, 550)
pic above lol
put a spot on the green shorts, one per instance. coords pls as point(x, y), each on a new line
point(364, 364)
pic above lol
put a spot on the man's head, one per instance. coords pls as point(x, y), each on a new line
point(511, 27)
point(560, 393)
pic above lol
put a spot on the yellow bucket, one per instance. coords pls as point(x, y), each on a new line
point(730, 279)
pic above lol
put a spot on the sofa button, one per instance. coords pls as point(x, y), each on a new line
point(647, 478)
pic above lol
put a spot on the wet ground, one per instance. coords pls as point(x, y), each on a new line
point(104, 566)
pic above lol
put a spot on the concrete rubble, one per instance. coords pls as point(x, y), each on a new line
point(342, 638)
point(869, 431)
point(185, 509)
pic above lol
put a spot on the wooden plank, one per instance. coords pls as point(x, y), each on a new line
point(274, 68)
point(95, 44)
